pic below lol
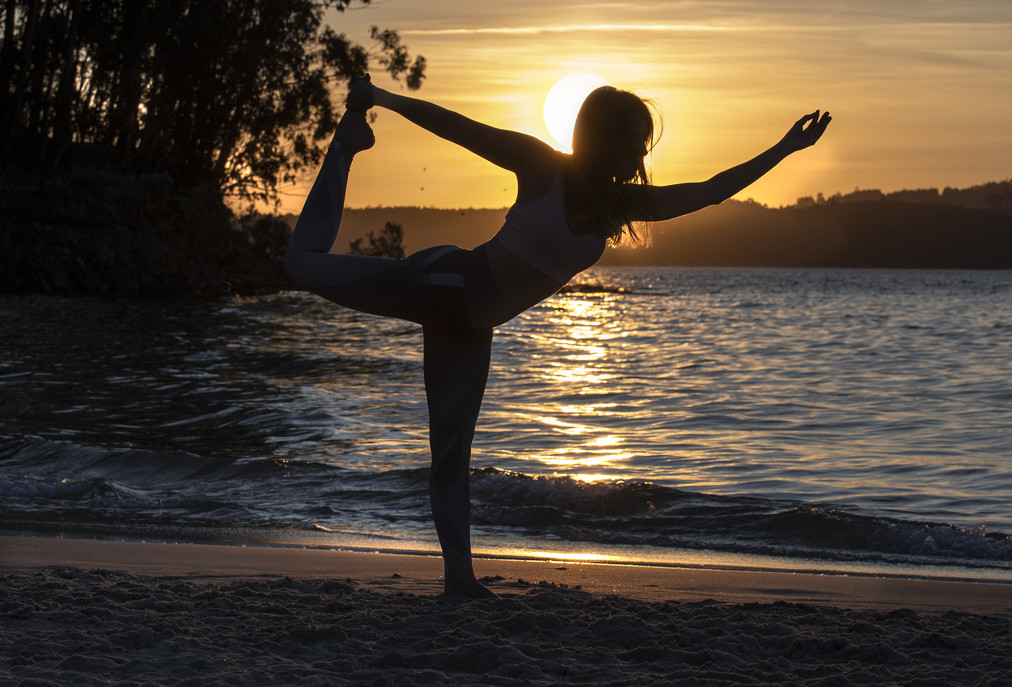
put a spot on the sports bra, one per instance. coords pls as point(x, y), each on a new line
point(536, 232)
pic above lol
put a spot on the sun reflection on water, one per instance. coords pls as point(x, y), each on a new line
point(577, 376)
point(583, 334)
point(570, 428)
point(586, 461)
point(593, 477)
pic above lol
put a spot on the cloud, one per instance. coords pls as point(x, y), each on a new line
point(569, 28)
point(702, 28)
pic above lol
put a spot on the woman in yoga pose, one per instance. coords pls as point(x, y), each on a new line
point(568, 208)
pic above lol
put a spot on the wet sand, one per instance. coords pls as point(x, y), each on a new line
point(88, 611)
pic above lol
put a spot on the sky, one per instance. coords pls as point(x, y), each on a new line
point(920, 91)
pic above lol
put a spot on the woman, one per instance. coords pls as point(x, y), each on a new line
point(568, 208)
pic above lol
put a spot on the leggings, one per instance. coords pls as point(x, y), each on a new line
point(427, 287)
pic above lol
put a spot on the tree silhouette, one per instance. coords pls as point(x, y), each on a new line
point(389, 243)
point(232, 94)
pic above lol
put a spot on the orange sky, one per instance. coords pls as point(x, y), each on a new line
point(921, 92)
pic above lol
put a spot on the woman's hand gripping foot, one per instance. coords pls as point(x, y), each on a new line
point(361, 94)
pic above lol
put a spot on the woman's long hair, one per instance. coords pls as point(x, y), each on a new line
point(612, 134)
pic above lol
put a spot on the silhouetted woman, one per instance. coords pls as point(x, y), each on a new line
point(568, 208)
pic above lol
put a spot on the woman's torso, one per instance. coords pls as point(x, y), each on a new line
point(538, 249)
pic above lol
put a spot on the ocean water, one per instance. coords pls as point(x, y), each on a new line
point(854, 420)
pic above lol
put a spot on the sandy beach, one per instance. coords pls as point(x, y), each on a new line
point(109, 612)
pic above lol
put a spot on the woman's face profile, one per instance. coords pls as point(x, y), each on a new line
point(633, 152)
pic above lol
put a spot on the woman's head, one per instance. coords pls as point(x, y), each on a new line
point(612, 135)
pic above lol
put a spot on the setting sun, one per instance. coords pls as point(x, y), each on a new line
point(562, 104)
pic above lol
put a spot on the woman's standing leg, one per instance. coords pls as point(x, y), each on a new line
point(456, 369)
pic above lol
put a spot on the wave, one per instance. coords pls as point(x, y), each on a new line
point(46, 483)
point(116, 489)
point(643, 513)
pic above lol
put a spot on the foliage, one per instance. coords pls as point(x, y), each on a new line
point(389, 243)
point(100, 231)
point(268, 234)
point(234, 95)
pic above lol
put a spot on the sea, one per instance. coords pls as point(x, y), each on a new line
point(833, 420)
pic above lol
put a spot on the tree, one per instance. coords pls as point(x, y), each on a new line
point(389, 243)
point(233, 94)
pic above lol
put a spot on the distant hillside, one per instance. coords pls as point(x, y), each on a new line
point(870, 234)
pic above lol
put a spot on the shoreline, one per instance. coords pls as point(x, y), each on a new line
point(422, 574)
point(536, 551)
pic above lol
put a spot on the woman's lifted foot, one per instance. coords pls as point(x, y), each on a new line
point(354, 134)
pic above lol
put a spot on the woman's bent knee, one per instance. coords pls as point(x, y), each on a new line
point(311, 271)
point(293, 268)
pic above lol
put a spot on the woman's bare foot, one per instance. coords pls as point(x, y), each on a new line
point(354, 133)
point(459, 585)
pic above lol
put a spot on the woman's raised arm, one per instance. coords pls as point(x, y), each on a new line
point(667, 202)
point(508, 149)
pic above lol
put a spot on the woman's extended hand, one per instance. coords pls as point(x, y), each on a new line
point(801, 136)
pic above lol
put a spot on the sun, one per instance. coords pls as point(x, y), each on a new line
point(563, 103)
